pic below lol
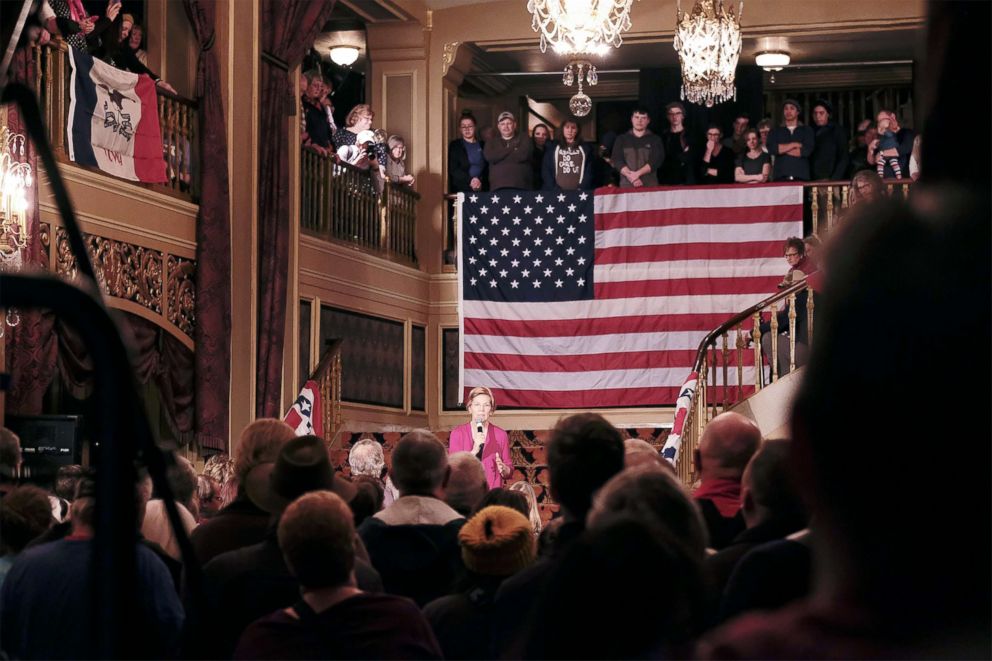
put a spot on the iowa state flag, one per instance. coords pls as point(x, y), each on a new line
point(113, 120)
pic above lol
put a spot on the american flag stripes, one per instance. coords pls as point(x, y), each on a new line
point(588, 300)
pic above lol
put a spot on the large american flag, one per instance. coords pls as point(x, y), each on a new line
point(588, 300)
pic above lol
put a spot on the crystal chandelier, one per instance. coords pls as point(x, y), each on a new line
point(577, 71)
point(708, 41)
point(15, 179)
point(572, 27)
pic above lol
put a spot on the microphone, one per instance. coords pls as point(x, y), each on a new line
point(478, 426)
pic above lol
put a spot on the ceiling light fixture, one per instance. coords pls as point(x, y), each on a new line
point(576, 71)
point(708, 41)
point(573, 27)
point(344, 56)
point(772, 54)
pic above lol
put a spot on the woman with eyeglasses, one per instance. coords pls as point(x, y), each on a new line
point(718, 162)
point(467, 167)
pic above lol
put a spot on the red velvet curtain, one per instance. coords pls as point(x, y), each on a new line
point(156, 356)
point(213, 243)
point(288, 29)
point(31, 344)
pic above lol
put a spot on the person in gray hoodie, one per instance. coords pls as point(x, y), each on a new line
point(639, 153)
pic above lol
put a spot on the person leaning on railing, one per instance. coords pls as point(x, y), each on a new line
point(568, 161)
point(467, 167)
point(396, 162)
point(799, 267)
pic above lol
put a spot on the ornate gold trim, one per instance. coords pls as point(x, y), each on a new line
point(448, 56)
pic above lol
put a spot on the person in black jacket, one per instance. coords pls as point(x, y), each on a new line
point(830, 157)
point(467, 167)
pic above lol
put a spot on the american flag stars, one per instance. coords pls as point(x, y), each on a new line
point(525, 263)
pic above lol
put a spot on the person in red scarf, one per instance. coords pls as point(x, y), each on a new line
point(728, 443)
point(486, 441)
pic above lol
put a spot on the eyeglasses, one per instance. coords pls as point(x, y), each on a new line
point(792, 254)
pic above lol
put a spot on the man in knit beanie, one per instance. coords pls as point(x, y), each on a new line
point(496, 543)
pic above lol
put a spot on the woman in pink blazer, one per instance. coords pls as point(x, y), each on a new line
point(486, 441)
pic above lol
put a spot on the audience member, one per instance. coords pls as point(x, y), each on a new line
point(891, 580)
point(155, 525)
point(866, 187)
point(647, 603)
point(46, 599)
point(66, 480)
point(332, 618)
point(219, 468)
point(504, 498)
point(754, 166)
point(584, 452)
point(533, 512)
point(568, 162)
point(638, 153)
point(356, 143)
point(242, 522)
point(771, 507)
point(467, 484)
point(25, 513)
point(830, 158)
point(496, 542)
point(244, 584)
point(729, 441)
point(764, 128)
point(889, 152)
point(315, 132)
point(858, 156)
point(134, 42)
point(368, 499)
point(768, 577)
point(638, 452)
point(717, 164)
point(812, 247)
point(413, 543)
point(791, 145)
point(540, 136)
point(509, 156)
point(467, 167)
point(396, 163)
point(77, 27)
point(208, 498)
point(914, 159)
point(799, 267)
point(10, 460)
point(678, 166)
point(737, 142)
point(367, 459)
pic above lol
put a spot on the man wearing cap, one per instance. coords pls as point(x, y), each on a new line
point(245, 584)
point(638, 153)
point(333, 618)
point(413, 543)
point(830, 157)
point(791, 144)
point(509, 156)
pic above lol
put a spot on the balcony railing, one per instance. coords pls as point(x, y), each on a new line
point(177, 116)
point(339, 202)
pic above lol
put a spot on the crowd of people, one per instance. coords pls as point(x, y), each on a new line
point(815, 546)
point(355, 143)
point(789, 151)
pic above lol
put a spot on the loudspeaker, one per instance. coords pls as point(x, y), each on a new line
point(47, 442)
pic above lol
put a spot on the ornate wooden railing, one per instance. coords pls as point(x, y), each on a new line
point(730, 365)
point(327, 374)
point(178, 119)
point(339, 202)
point(827, 201)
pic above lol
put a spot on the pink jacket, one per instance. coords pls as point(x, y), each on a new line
point(497, 440)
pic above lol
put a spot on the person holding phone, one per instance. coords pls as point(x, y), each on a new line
point(484, 440)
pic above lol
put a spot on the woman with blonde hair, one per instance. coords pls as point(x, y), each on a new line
point(534, 513)
point(484, 440)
